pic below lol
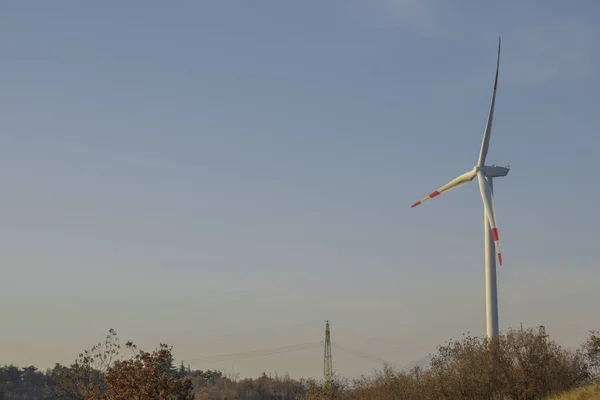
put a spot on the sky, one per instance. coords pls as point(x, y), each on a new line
point(226, 176)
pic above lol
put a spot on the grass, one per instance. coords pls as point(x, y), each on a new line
point(586, 393)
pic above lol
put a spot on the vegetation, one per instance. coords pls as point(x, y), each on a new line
point(520, 364)
point(586, 393)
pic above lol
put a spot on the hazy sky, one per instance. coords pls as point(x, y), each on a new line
point(224, 176)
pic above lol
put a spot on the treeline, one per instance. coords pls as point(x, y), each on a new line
point(520, 364)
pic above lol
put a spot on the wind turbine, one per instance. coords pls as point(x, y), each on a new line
point(485, 175)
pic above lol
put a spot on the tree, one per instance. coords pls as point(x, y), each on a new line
point(591, 349)
point(98, 374)
point(84, 379)
point(147, 376)
point(182, 371)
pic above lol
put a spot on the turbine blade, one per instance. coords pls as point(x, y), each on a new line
point(453, 184)
point(485, 143)
point(490, 212)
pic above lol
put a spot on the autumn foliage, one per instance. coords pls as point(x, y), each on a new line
point(520, 364)
point(99, 375)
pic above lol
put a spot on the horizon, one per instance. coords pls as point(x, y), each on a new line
point(226, 177)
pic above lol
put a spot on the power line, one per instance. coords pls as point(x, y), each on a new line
point(255, 353)
point(363, 355)
point(291, 348)
point(327, 366)
point(215, 338)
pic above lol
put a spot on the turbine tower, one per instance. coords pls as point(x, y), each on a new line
point(485, 175)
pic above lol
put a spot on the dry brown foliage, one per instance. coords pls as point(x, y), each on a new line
point(520, 364)
point(98, 375)
point(146, 376)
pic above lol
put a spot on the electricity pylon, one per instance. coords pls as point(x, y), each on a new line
point(328, 362)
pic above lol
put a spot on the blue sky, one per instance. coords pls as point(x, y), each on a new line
point(180, 171)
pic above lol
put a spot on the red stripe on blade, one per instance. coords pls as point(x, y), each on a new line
point(500, 258)
point(433, 194)
point(416, 204)
point(495, 234)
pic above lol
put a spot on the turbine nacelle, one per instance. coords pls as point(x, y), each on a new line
point(492, 171)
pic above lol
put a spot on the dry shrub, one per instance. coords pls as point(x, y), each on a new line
point(97, 374)
point(519, 364)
